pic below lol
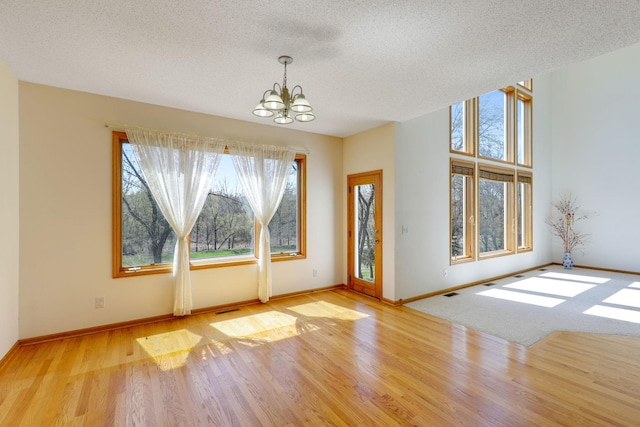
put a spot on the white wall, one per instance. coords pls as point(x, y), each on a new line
point(596, 147)
point(422, 204)
point(368, 151)
point(65, 213)
point(9, 220)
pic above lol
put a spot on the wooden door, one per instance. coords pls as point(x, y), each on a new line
point(364, 231)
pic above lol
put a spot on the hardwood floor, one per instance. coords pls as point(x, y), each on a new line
point(329, 358)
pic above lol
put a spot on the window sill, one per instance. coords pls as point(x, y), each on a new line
point(287, 257)
point(222, 262)
point(205, 264)
point(461, 260)
point(495, 254)
point(142, 271)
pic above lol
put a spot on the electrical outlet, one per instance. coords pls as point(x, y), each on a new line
point(99, 302)
point(445, 272)
point(315, 273)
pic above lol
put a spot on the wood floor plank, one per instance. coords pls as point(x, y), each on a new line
point(329, 358)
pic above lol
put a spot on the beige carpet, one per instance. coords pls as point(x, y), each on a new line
point(527, 307)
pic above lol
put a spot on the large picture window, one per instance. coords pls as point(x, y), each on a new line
point(224, 233)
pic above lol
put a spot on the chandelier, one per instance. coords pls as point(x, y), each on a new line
point(279, 102)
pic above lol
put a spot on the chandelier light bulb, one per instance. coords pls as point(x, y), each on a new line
point(300, 104)
point(273, 101)
point(305, 117)
point(283, 118)
point(260, 111)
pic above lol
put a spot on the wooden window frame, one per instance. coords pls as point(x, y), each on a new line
point(509, 205)
point(469, 118)
point(525, 178)
point(470, 208)
point(526, 84)
point(527, 103)
point(522, 91)
point(301, 160)
point(119, 138)
point(509, 113)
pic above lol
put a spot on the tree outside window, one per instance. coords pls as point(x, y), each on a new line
point(224, 232)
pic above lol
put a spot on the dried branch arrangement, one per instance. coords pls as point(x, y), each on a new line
point(566, 213)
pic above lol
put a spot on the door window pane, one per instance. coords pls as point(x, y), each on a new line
point(364, 205)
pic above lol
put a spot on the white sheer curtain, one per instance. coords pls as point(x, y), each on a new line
point(262, 172)
point(179, 170)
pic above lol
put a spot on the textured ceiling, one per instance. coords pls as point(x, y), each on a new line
point(361, 63)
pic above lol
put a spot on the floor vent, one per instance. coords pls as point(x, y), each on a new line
point(227, 311)
point(451, 294)
point(519, 275)
point(489, 284)
point(542, 269)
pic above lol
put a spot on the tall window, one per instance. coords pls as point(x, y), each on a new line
point(491, 202)
point(495, 201)
point(523, 128)
point(462, 122)
point(524, 207)
point(494, 125)
point(286, 223)
point(224, 233)
point(462, 208)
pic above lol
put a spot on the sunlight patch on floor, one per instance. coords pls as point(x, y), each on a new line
point(522, 297)
point(258, 324)
point(171, 349)
point(628, 297)
point(328, 310)
point(614, 313)
point(561, 288)
point(635, 285)
point(575, 277)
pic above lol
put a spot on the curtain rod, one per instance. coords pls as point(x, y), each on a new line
point(121, 127)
